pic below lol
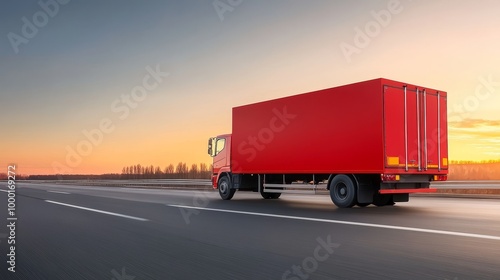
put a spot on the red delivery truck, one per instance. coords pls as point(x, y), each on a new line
point(372, 142)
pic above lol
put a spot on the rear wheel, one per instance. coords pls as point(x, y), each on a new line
point(268, 195)
point(225, 190)
point(343, 191)
point(362, 204)
point(382, 200)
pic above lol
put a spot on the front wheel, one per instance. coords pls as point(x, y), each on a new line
point(225, 190)
point(343, 191)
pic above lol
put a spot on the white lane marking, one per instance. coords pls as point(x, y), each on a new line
point(3, 191)
point(98, 211)
point(58, 192)
point(443, 232)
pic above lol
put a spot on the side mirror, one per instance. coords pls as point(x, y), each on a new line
point(211, 150)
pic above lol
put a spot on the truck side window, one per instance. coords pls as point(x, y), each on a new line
point(221, 142)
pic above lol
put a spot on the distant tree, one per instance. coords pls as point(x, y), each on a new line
point(140, 171)
point(181, 170)
point(204, 172)
point(158, 172)
point(203, 167)
point(124, 173)
point(169, 171)
point(152, 171)
point(193, 172)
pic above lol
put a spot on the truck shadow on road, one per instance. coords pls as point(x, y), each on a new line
point(323, 208)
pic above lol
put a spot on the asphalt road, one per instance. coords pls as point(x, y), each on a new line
point(134, 234)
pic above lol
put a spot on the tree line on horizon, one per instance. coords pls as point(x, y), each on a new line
point(137, 171)
point(180, 171)
point(472, 170)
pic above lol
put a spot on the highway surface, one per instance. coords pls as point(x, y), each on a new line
point(83, 232)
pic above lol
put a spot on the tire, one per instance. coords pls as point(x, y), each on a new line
point(267, 195)
point(343, 191)
point(225, 191)
point(382, 200)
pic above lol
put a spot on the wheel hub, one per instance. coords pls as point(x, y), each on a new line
point(341, 191)
point(223, 188)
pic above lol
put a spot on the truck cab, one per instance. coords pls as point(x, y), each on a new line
point(219, 149)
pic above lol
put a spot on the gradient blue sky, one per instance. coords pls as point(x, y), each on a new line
point(64, 80)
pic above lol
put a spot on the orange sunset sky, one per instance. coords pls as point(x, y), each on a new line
point(77, 73)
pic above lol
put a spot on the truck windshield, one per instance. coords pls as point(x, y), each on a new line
point(219, 145)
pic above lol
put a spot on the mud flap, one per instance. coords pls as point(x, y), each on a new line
point(366, 193)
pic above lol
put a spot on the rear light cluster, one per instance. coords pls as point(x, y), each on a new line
point(440, 178)
point(389, 177)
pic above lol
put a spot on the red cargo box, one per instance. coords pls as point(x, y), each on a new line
point(372, 127)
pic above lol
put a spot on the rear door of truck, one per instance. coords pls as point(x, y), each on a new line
point(415, 129)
